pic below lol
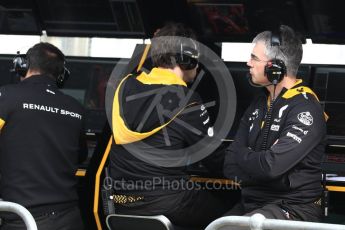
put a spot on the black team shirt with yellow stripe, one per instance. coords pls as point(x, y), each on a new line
point(136, 100)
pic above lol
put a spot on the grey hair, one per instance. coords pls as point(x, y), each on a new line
point(290, 50)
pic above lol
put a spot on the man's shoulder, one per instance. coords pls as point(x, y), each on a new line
point(304, 100)
point(11, 91)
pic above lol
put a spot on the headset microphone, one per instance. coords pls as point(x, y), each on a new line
point(249, 78)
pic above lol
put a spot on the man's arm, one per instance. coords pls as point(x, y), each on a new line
point(297, 139)
point(200, 128)
point(232, 170)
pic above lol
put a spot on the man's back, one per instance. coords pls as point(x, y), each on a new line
point(38, 143)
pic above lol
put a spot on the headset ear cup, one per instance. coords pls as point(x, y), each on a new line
point(20, 65)
point(188, 56)
point(187, 62)
point(60, 80)
point(275, 71)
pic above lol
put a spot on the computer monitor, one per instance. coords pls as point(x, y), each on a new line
point(6, 76)
point(325, 21)
point(328, 85)
point(105, 18)
point(219, 20)
point(87, 84)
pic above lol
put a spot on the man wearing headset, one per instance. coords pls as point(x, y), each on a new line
point(280, 142)
point(152, 187)
point(39, 143)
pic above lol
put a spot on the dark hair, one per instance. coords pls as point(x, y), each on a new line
point(166, 43)
point(46, 58)
point(290, 50)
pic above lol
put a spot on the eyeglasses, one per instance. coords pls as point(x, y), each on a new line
point(256, 59)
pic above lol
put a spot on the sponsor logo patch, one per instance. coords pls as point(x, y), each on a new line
point(275, 127)
point(281, 110)
point(305, 118)
point(305, 132)
point(295, 137)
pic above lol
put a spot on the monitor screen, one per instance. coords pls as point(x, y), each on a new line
point(87, 84)
point(325, 21)
point(19, 17)
point(106, 18)
point(328, 85)
point(270, 14)
point(241, 20)
point(6, 76)
point(220, 21)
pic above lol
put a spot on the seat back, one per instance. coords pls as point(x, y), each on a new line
point(126, 222)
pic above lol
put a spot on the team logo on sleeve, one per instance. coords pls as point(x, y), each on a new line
point(281, 110)
point(305, 118)
point(294, 136)
point(305, 132)
point(275, 127)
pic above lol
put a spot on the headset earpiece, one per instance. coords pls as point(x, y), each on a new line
point(275, 69)
point(60, 80)
point(188, 56)
point(20, 65)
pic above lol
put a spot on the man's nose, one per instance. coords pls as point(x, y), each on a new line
point(249, 63)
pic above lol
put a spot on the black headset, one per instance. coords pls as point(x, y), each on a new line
point(188, 57)
point(275, 69)
point(61, 78)
point(21, 66)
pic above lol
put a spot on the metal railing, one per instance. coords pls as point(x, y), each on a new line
point(20, 211)
point(259, 222)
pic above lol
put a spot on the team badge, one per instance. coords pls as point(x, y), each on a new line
point(305, 118)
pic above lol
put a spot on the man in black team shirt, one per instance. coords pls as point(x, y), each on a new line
point(280, 142)
point(150, 188)
point(39, 144)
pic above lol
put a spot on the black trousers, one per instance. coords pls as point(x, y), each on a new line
point(194, 209)
point(303, 212)
point(68, 219)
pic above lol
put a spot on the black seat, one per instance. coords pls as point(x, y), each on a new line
point(126, 222)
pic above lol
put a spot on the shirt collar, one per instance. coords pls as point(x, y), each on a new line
point(160, 76)
point(41, 79)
